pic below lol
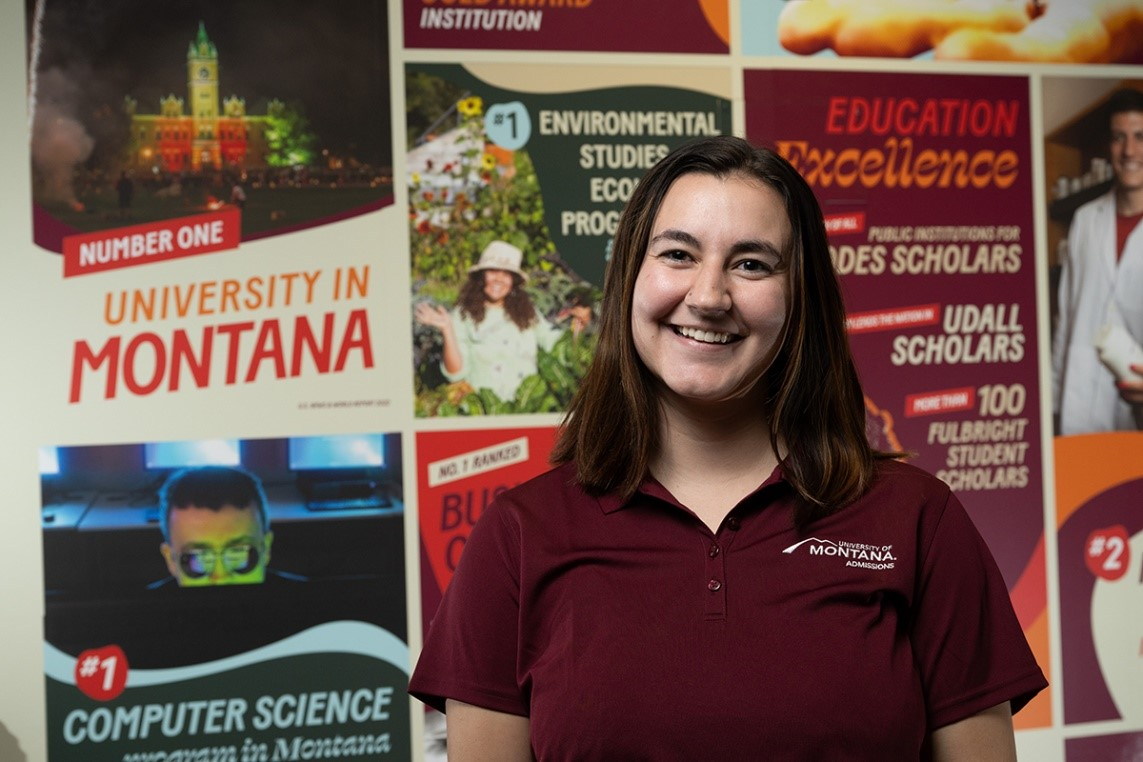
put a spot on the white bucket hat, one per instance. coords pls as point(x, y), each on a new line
point(500, 255)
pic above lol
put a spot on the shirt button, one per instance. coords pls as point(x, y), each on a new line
point(714, 586)
point(715, 550)
point(732, 524)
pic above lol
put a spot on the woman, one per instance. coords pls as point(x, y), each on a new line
point(491, 339)
point(720, 567)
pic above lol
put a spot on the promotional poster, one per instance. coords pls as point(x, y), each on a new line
point(927, 198)
point(185, 188)
point(226, 598)
point(1096, 325)
point(1100, 538)
point(460, 474)
point(142, 117)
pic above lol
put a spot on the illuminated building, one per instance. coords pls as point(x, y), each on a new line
point(215, 135)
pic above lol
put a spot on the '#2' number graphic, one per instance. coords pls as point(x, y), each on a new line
point(1108, 553)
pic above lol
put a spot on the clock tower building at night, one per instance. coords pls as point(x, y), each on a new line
point(202, 85)
point(216, 135)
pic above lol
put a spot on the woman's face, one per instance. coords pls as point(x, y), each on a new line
point(497, 285)
point(711, 296)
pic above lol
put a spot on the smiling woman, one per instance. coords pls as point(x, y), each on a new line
point(720, 561)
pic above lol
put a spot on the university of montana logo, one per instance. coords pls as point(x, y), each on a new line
point(858, 554)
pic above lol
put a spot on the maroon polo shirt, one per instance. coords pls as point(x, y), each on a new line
point(631, 631)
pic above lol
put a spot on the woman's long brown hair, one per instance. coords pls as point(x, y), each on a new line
point(815, 404)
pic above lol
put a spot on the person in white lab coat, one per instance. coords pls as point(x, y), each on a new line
point(1101, 284)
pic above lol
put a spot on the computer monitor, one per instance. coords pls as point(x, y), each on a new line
point(356, 451)
point(340, 472)
point(49, 461)
point(50, 491)
point(191, 453)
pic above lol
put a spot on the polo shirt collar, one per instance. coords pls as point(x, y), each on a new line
point(650, 487)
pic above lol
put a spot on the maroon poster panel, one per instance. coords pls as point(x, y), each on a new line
point(925, 182)
point(1125, 746)
point(636, 26)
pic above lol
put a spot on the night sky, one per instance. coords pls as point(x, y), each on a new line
point(331, 57)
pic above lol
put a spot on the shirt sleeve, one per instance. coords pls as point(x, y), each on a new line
point(969, 647)
point(1065, 317)
point(547, 334)
point(1061, 331)
point(460, 329)
point(470, 651)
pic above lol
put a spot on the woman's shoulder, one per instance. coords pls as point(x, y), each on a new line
point(551, 505)
point(558, 481)
point(900, 475)
point(907, 493)
point(906, 508)
point(544, 493)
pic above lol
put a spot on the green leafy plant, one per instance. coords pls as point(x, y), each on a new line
point(549, 390)
point(289, 139)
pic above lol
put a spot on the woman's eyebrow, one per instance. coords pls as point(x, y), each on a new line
point(756, 245)
point(749, 245)
point(678, 236)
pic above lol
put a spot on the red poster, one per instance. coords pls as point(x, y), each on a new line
point(458, 474)
point(925, 182)
point(689, 26)
point(1126, 746)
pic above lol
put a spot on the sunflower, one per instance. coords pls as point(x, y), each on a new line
point(471, 106)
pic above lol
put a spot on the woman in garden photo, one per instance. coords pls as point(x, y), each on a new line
point(492, 337)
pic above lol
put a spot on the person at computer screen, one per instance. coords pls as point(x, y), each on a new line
point(216, 528)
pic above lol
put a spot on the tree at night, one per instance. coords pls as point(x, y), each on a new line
point(289, 139)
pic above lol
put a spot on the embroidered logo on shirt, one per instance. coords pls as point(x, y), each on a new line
point(857, 554)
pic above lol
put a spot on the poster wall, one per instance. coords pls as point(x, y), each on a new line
point(251, 245)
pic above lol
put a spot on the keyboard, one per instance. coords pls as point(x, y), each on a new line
point(359, 503)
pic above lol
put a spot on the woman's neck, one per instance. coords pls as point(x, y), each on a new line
point(711, 457)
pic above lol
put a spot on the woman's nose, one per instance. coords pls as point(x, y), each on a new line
point(708, 292)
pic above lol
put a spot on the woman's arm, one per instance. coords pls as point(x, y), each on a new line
point(439, 318)
point(483, 735)
point(984, 737)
